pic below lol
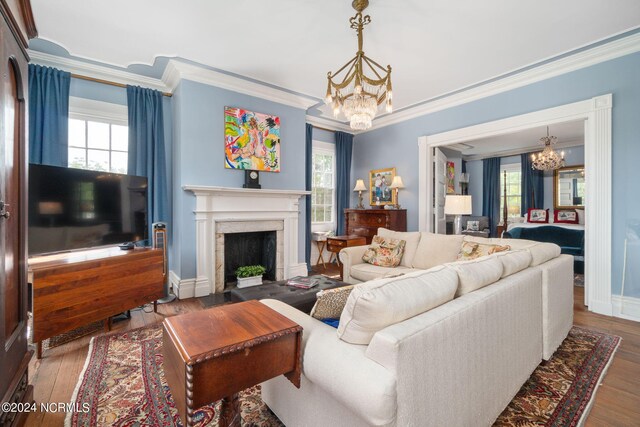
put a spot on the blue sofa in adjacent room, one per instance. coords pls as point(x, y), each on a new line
point(571, 241)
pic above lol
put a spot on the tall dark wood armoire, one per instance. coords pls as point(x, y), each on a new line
point(16, 27)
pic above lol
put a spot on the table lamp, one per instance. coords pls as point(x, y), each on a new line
point(397, 184)
point(457, 205)
point(360, 188)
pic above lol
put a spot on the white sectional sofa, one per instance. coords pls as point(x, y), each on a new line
point(456, 364)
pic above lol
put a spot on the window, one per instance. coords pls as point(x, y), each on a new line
point(98, 135)
point(98, 146)
point(514, 198)
point(323, 183)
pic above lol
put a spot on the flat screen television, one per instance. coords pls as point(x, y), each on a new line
point(72, 209)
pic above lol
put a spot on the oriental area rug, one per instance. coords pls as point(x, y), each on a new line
point(123, 384)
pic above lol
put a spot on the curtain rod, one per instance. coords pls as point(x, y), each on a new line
point(107, 82)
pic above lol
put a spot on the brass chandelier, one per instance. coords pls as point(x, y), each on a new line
point(353, 92)
point(548, 159)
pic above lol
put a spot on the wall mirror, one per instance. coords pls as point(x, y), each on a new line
point(568, 187)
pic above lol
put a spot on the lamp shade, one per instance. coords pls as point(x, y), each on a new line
point(397, 182)
point(457, 205)
point(360, 186)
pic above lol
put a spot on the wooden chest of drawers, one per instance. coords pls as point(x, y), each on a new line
point(365, 222)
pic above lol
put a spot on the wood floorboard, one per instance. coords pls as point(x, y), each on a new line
point(617, 401)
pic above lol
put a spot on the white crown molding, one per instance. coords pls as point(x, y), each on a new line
point(330, 124)
point(586, 58)
point(75, 66)
point(177, 70)
point(89, 109)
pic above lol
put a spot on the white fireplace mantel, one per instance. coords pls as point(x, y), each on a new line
point(224, 204)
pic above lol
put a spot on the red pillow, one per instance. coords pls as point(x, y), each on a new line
point(565, 216)
point(538, 215)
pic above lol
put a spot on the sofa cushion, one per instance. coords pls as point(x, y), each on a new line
point(476, 274)
point(436, 249)
point(330, 302)
point(412, 239)
point(374, 305)
point(471, 250)
point(514, 261)
point(385, 252)
point(365, 272)
point(543, 252)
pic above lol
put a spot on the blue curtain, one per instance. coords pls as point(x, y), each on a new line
point(146, 148)
point(307, 186)
point(344, 147)
point(491, 191)
point(48, 115)
point(531, 184)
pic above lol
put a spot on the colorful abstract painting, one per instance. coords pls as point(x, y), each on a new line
point(252, 140)
point(451, 188)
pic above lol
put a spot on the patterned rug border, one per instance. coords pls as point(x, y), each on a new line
point(586, 409)
point(592, 383)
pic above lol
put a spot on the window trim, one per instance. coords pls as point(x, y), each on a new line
point(326, 148)
point(98, 111)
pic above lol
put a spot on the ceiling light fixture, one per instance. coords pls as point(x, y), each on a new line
point(547, 159)
point(353, 92)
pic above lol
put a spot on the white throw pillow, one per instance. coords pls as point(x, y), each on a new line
point(514, 261)
point(374, 305)
point(436, 249)
point(411, 238)
point(580, 213)
point(476, 274)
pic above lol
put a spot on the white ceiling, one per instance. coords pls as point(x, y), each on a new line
point(434, 47)
point(568, 133)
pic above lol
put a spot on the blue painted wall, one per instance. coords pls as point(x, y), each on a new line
point(324, 136)
point(397, 146)
point(198, 158)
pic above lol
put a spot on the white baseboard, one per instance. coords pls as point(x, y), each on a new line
point(297, 270)
point(182, 288)
point(626, 307)
point(201, 287)
point(601, 307)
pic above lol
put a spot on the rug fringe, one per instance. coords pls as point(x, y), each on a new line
point(74, 396)
point(587, 409)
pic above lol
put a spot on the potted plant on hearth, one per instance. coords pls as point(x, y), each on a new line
point(250, 275)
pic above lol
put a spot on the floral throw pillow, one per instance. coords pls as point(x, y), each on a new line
point(384, 252)
point(331, 302)
point(472, 250)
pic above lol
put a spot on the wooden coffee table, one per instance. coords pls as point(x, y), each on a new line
point(214, 354)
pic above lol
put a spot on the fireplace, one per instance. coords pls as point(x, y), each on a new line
point(223, 210)
point(253, 248)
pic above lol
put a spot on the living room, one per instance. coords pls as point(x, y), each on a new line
point(474, 193)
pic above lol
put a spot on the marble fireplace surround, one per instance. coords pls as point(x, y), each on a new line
point(221, 210)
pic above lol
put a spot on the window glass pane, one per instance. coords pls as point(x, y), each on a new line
point(76, 133)
point(98, 135)
point(119, 138)
point(328, 198)
point(119, 162)
point(77, 158)
point(327, 213)
point(98, 160)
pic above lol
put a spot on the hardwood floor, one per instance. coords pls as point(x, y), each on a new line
point(617, 401)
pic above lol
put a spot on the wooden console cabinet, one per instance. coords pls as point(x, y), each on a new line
point(365, 222)
point(74, 289)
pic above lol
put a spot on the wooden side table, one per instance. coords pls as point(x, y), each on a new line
point(216, 353)
point(336, 243)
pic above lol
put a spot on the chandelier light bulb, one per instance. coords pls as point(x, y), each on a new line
point(389, 107)
point(329, 99)
point(389, 94)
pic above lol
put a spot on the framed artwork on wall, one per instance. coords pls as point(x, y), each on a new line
point(451, 188)
point(379, 181)
point(251, 140)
